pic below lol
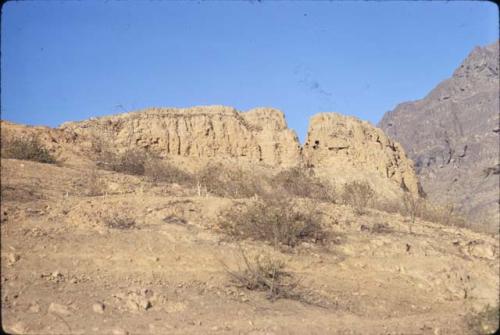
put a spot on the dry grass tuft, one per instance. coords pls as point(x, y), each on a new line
point(265, 273)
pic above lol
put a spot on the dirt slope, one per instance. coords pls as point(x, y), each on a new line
point(65, 271)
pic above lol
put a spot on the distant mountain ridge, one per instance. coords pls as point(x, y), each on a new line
point(452, 136)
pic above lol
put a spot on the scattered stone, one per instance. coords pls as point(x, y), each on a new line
point(59, 309)
point(19, 328)
point(13, 258)
point(34, 308)
point(98, 308)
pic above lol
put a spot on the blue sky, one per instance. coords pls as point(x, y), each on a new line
point(72, 60)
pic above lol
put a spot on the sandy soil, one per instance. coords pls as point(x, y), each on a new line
point(64, 271)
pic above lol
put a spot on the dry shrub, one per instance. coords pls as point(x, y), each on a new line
point(130, 162)
point(417, 207)
point(277, 220)
point(377, 228)
point(301, 182)
point(389, 206)
point(358, 194)
point(412, 206)
point(158, 170)
point(265, 273)
point(94, 184)
point(119, 221)
point(445, 215)
point(230, 182)
point(27, 149)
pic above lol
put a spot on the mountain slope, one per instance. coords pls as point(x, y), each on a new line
point(452, 136)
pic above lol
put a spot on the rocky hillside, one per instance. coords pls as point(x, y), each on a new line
point(452, 136)
point(166, 244)
point(340, 148)
point(153, 258)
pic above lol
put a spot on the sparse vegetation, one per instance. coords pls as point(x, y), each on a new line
point(130, 162)
point(265, 273)
point(230, 182)
point(94, 184)
point(445, 215)
point(301, 182)
point(412, 205)
point(358, 194)
point(377, 228)
point(158, 170)
point(27, 149)
point(277, 220)
point(417, 207)
point(119, 221)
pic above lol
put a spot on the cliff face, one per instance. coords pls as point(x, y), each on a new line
point(452, 136)
point(259, 135)
point(343, 146)
point(340, 148)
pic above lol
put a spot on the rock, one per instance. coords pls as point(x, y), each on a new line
point(259, 135)
point(450, 136)
point(138, 301)
point(34, 308)
point(119, 331)
point(348, 148)
point(98, 308)
point(13, 258)
point(59, 309)
point(481, 250)
point(19, 328)
point(340, 148)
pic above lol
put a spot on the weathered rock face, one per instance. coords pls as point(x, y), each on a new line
point(259, 135)
point(452, 136)
point(346, 146)
point(340, 148)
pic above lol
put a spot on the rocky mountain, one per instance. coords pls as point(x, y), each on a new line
point(339, 148)
point(452, 136)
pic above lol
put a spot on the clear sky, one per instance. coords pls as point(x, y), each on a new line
point(72, 60)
